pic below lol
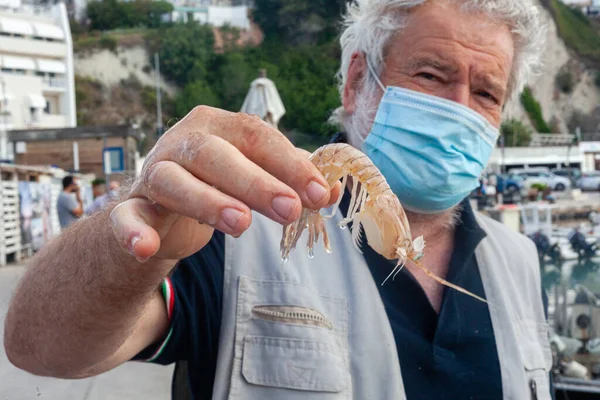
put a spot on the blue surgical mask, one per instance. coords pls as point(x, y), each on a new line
point(432, 151)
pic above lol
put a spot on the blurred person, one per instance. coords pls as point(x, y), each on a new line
point(114, 188)
point(98, 187)
point(185, 267)
point(69, 204)
point(103, 198)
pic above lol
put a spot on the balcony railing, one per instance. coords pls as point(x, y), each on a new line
point(28, 9)
point(55, 83)
point(5, 119)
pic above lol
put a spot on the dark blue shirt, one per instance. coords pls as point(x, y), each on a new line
point(447, 356)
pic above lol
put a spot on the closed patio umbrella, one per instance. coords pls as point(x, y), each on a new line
point(263, 100)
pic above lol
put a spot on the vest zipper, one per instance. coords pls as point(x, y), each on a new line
point(533, 387)
point(299, 315)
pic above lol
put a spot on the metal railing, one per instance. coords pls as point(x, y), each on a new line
point(29, 9)
point(552, 139)
point(58, 83)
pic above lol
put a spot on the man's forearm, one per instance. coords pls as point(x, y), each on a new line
point(79, 300)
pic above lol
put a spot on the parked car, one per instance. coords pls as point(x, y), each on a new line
point(590, 181)
point(512, 188)
point(574, 174)
point(543, 176)
point(511, 183)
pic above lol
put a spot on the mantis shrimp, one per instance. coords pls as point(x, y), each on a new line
point(373, 207)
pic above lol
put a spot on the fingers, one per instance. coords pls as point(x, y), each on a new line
point(176, 189)
point(263, 145)
point(223, 166)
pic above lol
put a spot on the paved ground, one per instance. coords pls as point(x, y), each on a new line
point(128, 382)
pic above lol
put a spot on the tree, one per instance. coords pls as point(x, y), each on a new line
point(105, 15)
point(156, 11)
point(515, 133)
point(299, 21)
point(184, 49)
point(195, 94)
point(112, 14)
point(232, 78)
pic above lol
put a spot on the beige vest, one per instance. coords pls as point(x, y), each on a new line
point(317, 328)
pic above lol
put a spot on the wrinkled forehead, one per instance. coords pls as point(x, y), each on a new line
point(446, 35)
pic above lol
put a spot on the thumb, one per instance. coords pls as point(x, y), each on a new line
point(135, 223)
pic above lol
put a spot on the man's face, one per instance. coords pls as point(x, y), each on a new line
point(73, 187)
point(459, 56)
point(98, 190)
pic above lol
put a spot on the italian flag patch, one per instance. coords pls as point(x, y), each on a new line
point(167, 292)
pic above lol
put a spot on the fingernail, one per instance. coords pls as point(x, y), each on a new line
point(316, 192)
point(283, 206)
point(231, 217)
point(131, 249)
point(132, 243)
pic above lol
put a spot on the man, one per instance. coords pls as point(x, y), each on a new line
point(245, 325)
point(69, 204)
point(103, 198)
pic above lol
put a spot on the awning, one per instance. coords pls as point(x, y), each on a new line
point(16, 62)
point(16, 26)
point(54, 66)
point(48, 31)
point(36, 100)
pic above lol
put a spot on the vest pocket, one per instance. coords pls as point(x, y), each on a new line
point(291, 342)
point(537, 357)
point(293, 364)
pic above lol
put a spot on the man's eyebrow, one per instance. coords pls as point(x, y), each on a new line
point(430, 61)
point(496, 84)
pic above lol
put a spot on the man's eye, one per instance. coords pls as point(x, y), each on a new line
point(487, 95)
point(428, 76)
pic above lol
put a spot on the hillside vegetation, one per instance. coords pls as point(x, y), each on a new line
point(300, 57)
point(578, 32)
point(300, 53)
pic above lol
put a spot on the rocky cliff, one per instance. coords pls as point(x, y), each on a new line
point(559, 107)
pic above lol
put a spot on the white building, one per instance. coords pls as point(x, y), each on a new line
point(590, 7)
point(550, 157)
point(37, 84)
point(213, 12)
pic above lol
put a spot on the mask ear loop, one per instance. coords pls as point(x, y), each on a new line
point(372, 70)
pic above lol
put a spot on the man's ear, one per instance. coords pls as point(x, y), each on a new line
point(356, 75)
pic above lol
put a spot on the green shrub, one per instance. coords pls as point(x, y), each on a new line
point(534, 111)
point(184, 49)
point(540, 186)
point(108, 42)
point(113, 14)
point(194, 94)
point(515, 133)
point(565, 82)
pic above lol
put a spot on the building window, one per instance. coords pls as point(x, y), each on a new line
point(40, 73)
point(47, 108)
point(14, 71)
point(35, 116)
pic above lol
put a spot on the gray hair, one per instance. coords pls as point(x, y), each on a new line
point(369, 25)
